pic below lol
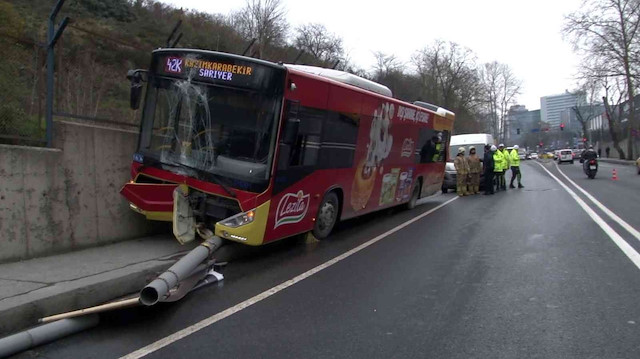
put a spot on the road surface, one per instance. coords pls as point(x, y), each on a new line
point(532, 273)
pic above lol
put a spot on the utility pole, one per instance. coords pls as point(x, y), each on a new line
point(52, 37)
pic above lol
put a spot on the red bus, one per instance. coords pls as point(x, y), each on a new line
point(255, 151)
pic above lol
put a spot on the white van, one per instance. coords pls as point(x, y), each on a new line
point(478, 140)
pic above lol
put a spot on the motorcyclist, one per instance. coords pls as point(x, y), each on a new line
point(588, 155)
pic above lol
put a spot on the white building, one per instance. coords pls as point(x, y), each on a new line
point(551, 107)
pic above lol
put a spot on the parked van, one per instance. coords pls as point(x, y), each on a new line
point(478, 140)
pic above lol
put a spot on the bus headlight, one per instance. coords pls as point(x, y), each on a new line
point(239, 219)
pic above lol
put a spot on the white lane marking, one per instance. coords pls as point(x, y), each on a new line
point(606, 210)
point(615, 237)
point(269, 292)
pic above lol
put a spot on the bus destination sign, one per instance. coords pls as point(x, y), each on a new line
point(207, 69)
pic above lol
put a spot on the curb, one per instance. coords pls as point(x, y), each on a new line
point(23, 311)
point(617, 161)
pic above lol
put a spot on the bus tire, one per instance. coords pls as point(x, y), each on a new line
point(327, 216)
point(415, 193)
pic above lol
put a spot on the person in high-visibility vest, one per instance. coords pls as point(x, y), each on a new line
point(436, 155)
point(505, 166)
point(498, 168)
point(462, 171)
point(475, 167)
point(515, 167)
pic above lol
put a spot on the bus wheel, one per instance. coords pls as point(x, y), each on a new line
point(327, 216)
point(414, 198)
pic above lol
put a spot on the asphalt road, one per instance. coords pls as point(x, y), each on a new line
point(521, 274)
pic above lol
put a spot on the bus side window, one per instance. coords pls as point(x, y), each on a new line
point(339, 140)
point(444, 150)
point(303, 151)
point(434, 145)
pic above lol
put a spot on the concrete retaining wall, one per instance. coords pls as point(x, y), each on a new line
point(613, 153)
point(56, 200)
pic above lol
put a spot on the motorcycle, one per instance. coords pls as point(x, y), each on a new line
point(590, 167)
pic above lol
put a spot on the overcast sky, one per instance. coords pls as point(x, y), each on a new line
point(523, 34)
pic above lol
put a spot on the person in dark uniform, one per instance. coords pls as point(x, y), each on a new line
point(488, 164)
point(428, 150)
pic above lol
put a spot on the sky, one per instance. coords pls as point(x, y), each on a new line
point(526, 35)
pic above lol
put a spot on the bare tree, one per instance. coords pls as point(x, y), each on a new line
point(606, 31)
point(448, 76)
point(587, 104)
point(316, 40)
point(263, 20)
point(614, 95)
point(385, 65)
point(501, 87)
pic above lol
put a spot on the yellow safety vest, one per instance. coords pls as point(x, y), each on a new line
point(436, 156)
point(498, 161)
point(515, 158)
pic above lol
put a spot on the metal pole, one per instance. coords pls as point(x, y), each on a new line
point(50, 64)
point(157, 290)
point(52, 37)
point(45, 333)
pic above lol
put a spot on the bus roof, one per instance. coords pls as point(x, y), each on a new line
point(471, 138)
point(344, 77)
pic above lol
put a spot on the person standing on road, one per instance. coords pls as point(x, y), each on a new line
point(606, 151)
point(498, 166)
point(515, 167)
point(599, 152)
point(505, 166)
point(488, 165)
point(462, 172)
point(474, 171)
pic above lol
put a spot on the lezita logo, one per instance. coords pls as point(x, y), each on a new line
point(292, 208)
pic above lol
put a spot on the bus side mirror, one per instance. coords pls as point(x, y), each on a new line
point(291, 131)
point(136, 88)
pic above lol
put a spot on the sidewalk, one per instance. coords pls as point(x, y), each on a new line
point(40, 287)
point(617, 161)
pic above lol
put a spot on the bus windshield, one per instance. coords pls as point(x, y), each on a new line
point(205, 127)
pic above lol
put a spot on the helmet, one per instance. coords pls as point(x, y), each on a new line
point(516, 147)
point(501, 145)
point(590, 147)
point(460, 149)
point(494, 148)
point(471, 148)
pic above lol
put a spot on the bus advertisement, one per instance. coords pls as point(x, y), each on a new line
point(255, 151)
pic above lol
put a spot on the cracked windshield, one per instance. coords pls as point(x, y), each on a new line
point(209, 128)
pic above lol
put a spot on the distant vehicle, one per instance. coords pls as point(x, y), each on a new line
point(528, 156)
point(556, 154)
point(533, 156)
point(577, 152)
point(478, 140)
point(565, 156)
point(522, 154)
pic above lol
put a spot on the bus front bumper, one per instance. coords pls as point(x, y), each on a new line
point(251, 233)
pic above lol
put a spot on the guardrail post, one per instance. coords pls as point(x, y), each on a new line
point(52, 37)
